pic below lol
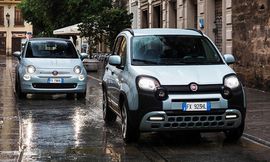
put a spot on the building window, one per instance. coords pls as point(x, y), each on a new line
point(172, 14)
point(18, 17)
point(157, 17)
point(2, 18)
point(145, 19)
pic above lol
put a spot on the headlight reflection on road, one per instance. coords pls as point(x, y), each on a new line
point(28, 124)
point(77, 119)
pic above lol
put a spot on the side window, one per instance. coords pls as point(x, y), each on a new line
point(123, 51)
point(117, 46)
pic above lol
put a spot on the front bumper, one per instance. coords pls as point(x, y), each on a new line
point(224, 114)
point(70, 84)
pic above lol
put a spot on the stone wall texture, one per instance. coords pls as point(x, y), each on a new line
point(251, 42)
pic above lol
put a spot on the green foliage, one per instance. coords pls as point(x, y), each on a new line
point(49, 15)
point(110, 22)
point(113, 21)
point(90, 29)
point(98, 17)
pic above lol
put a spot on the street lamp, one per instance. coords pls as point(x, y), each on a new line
point(8, 18)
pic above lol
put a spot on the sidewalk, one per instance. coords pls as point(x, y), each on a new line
point(258, 116)
point(9, 118)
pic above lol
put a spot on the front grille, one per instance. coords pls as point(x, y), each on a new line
point(194, 121)
point(185, 89)
point(54, 86)
point(50, 72)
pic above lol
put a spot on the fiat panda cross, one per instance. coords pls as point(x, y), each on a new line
point(171, 80)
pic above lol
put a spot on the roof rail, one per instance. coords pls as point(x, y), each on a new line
point(193, 29)
point(129, 30)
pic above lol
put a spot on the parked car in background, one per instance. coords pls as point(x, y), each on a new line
point(171, 80)
point(50, 65)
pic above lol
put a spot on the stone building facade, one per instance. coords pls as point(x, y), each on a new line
point(240, 27)
point(13, 28)
point(213, 17)
point(251, 41)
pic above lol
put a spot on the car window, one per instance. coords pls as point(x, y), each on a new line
point(117, 46)
point(120, 49)
point(123, 51)
point(173, 50)
point(50, 49)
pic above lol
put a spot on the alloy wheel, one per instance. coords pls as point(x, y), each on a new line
point(124, 122)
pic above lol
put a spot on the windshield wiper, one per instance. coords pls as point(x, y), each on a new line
point(145, 61)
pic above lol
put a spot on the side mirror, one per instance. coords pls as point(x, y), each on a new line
point(84, 56)
point(229, 59)
point(115, 60)
point(17, 54)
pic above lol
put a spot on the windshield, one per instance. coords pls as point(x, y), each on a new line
point(173, 50)
point(50, 49)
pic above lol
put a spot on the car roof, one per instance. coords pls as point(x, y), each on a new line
point(164, 31)
point(49, 39)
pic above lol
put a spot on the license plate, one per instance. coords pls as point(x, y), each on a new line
point(55, 80)
point(196, 106)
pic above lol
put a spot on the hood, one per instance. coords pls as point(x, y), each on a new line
point(184, 75)
point(52, 63)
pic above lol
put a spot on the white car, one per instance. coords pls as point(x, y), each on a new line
point(50, 65)
point(171, 80)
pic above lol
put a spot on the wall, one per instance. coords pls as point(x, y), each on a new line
point(12, 31)
point(251, 41)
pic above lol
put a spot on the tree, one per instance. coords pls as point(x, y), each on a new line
point(113, 21)
point(91, 30)
point(49, 15)
point(110, 22)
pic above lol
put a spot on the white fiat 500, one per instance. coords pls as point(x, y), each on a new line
point(50, 65)
point(171, 80)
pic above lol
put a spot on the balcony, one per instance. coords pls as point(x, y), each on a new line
point(10, 1)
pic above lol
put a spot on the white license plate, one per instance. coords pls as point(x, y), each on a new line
point(55, 80)
point(196, 106)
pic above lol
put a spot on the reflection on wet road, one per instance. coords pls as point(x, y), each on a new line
point(55, 128)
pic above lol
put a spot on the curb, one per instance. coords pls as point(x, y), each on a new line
point(257, 140)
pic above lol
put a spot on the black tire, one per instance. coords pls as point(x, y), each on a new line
point(81, 95)
point(130, 132)
point(108, 115)
point(234, 134)
point(19, 92)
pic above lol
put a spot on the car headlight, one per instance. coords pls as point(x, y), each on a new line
point(231, 82)
point(148, 83)
point(77, 69)
point(31, 69)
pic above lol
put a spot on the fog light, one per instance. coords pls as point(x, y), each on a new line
point(161, 94)
point(27, 77)
point(81, 77)
point(226, 93)
point(231, 116)
point(156, 118)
